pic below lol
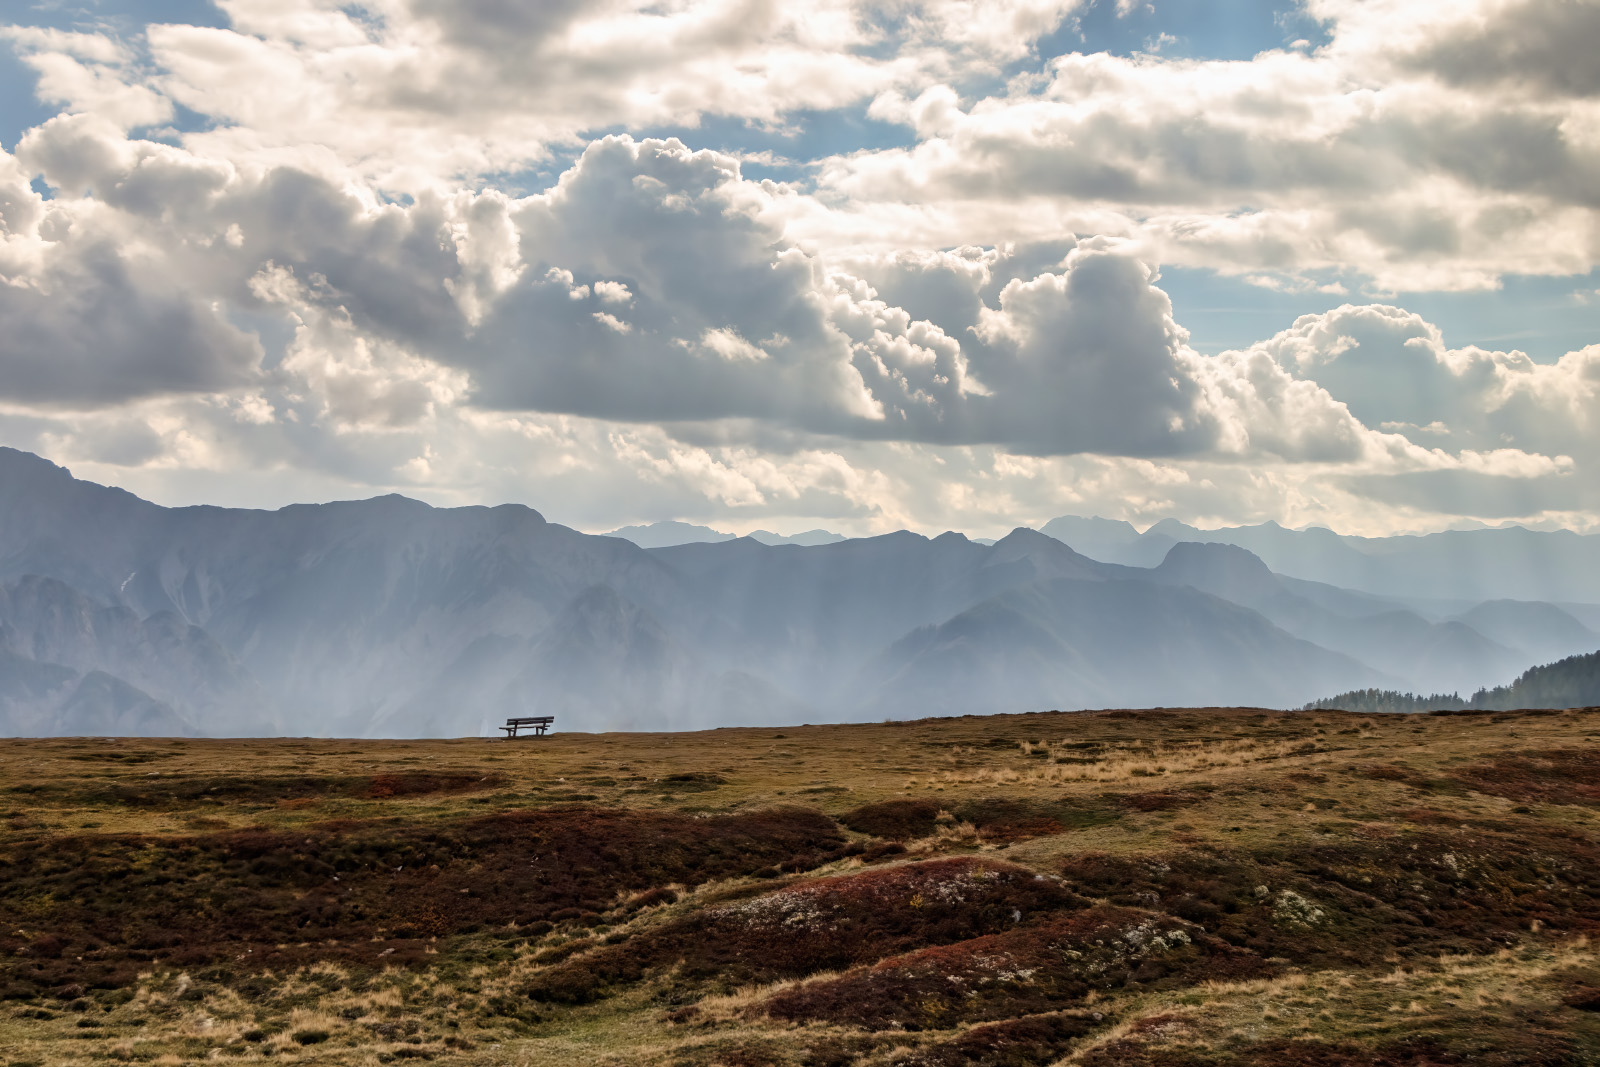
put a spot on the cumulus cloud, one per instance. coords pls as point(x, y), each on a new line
point(1091, 356)
point(653, 283)
point(1397, 371)
point(725, 319)
point(89, 318)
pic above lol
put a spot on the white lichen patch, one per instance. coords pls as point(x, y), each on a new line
point(1292, 909)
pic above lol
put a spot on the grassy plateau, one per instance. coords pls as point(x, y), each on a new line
point(1216, 887)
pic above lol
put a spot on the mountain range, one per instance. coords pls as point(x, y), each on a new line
point(1455, 569)
point(671, 532)
point(388, 617)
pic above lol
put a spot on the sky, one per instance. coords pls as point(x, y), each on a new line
point(925, 264)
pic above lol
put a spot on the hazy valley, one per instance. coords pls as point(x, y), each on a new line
point(388, 617)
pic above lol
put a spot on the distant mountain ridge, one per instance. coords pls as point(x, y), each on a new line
point(671, 532)
point(390, 617)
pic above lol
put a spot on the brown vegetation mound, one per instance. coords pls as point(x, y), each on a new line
point(119, 901)
point(1499, 1047)
point(191, 790)
point(897, 820)
point(1358, 901)
point(821, 924)
point(995, 818)
point(1549, 776)
point(1019, 972)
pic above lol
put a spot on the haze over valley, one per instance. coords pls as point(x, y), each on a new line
point(388, 617)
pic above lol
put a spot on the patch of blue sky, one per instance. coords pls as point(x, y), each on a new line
point(537, 177)
point(1187, 29)
point(274, 329)
point(1543, 316)
point(125, 17)
point(20, 109)
point(181, 121)
point(783, 152)
point(1546, 317)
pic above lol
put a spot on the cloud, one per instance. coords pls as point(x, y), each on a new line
point(414, 92)
point(724, 320)
point(1533, 46)
point(652, 283)
point(336, 270)
point(87, 319)
point(1396, 151)
point(89, 72)
point(728, 320)
point(1392, 366)
point(1089, 359)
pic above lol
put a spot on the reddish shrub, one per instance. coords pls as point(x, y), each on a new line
point(898, 820)
point(1158, 801)
point(1018, 972)
point(410, 784)
point(827, 923)
point(1482, 1047)
point(1546, 776)
point(1421, 893)
point(1584, 998)
point(1024, 1042)
point(241, 894)
point(289, 789)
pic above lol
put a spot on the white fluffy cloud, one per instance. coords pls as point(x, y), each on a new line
point(413, 92)
point(651, 284)
point(1401, 375)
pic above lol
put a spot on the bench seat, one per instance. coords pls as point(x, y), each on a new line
point(537, 723)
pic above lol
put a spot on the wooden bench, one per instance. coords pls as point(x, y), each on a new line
point(537, 723)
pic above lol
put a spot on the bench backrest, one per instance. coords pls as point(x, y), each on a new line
point(532, 719)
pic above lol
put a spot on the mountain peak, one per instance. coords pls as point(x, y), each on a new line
point(1225, 570)
point(14, 459)
point(1048, 557)
point(1171, 528)
point(1026, 536)
point(669, 533)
